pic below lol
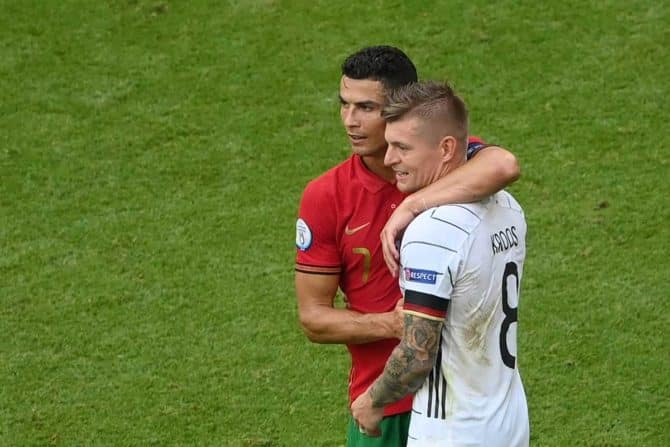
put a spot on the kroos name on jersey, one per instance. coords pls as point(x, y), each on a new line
point(504, 240)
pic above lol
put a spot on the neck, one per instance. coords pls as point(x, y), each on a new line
point(450, 167)
point(375, 164)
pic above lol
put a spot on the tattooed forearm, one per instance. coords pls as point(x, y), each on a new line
point(410, 362)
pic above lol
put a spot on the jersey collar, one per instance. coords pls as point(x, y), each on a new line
point(371, 181)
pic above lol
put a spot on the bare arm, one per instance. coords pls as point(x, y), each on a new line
point(489, 171)
point(410, 362)
point(323, 323)
point(405, 372)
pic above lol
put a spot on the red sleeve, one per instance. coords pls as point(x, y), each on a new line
point(315, 240)
point(475, 144)
point(475, 140)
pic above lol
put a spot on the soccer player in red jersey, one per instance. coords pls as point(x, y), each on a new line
point(341, 216)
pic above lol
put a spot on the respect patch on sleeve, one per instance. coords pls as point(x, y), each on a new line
point(420, 276)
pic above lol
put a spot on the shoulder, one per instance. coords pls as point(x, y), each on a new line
point(507, 200)
point(473, 140)
point(446, 226)
point(462, 216)
point(475, 144)
point(328, 183)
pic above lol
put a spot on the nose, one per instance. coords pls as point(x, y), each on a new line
point(391, 156)
point(349, 117)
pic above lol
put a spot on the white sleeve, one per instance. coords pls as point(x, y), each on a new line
point(429, 263)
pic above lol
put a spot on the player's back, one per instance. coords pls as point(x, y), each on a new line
point(474, 395)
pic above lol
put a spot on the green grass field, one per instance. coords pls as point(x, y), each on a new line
point(152, 156)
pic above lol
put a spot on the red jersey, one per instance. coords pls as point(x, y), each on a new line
point(341, 215)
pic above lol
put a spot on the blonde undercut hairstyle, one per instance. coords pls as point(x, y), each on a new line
point(433, 102)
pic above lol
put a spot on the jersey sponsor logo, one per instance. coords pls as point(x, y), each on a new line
point(349, 231)
point(504, 240)
point(421, 276)
point(303, 235)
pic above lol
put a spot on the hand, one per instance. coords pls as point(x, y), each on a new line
point(392, 231)
point(399, 319)
point(366, 416)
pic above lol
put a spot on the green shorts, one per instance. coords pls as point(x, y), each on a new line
point(394, 433)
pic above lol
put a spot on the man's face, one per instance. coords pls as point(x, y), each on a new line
point(361, 102)
point(413, 153)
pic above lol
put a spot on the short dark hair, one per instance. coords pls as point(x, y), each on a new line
point(383, 63)
point(430, 101)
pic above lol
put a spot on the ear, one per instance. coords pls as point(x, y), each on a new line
point(448, 147)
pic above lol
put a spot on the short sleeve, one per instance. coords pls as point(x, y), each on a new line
point(475, 144)
point(429, 269)
point(315, 240)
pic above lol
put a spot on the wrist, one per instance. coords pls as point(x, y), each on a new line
point(386, 321)
point(415, 204)
point(372, 396)
point(378, 325)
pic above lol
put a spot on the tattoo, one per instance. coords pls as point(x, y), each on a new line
point(410, 361)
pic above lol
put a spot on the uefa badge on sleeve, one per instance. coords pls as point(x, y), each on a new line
point(303, 235)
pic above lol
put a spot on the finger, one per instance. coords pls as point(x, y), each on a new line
point(394, 267)
point(394, 247)
point(394, 242)
point(386, 251)
point(374, 433)
point(390, 240)
point(392, 262)
point(390, 252)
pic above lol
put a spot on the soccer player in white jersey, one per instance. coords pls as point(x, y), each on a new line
point(461, 268)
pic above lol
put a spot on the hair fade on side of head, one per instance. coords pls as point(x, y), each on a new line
point(430, 101)
point(383, 63)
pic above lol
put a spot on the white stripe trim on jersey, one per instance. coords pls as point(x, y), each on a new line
point(466, 209)
point(430, 244)
point(449, 223)
point(451, 279)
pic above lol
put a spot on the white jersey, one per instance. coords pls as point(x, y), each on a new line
point(471, 255)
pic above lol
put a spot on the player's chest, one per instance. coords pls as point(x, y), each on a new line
point(360, 227)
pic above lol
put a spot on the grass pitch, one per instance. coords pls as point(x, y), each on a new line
point(152, 155)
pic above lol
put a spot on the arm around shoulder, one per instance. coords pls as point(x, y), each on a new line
point(490, 170)
point(505, 166)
